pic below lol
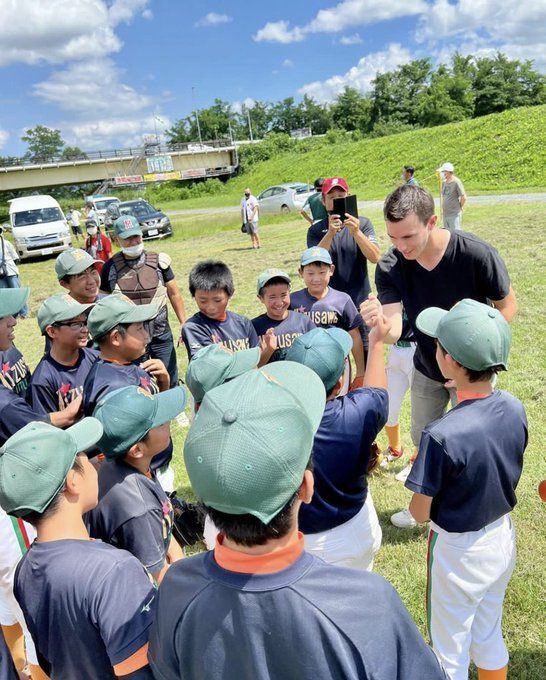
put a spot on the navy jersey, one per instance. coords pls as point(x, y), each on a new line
point(351, 274)
point(470, 462)
point(15, 413)
point(341, 453)
point(105, 377)
point(53, 385)
point(470, 268)
point(336, 309)
point(14, 371)
point(235, 332)
point(88, 606)
point(133, 513)
point(287, 330)
point(309, 620)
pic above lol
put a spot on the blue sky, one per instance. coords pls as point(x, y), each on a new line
point(106, 72)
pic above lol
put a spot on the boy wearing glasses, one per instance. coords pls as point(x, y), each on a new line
point(59, 377)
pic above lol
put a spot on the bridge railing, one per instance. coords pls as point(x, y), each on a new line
point(142, 151)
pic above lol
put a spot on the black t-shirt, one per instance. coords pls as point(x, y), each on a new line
point(351, 274)
point(470, 268)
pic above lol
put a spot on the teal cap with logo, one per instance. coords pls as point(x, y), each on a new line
point(12, 300)
point(213, 365)
point(34, 463)
point(114, 309)
point(72, 261)
point(268, 275)
point(315, 254)
point(251, 440)
point(61, 307)
point(127, 226)
point(476, 335)
point(129, 413)
point(323, 350)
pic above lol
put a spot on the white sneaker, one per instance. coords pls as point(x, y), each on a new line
point(403, 519)
point(404, 473)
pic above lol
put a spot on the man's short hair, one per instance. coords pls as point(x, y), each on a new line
point(409, 168)
point(211, 275)
point(408, 199)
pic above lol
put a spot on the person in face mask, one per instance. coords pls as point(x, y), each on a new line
point(98, 245)
point(145, 277)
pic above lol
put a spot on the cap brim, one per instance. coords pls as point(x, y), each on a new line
point(140, 313)
point(170, 404)
point(13, 300)
point(135, 231)
point(72, 311)
point(86, 433)
point(310, 260)
point(428, 320)
point(243, 361)
point(303, 383)
point(81, 266)
point(283, 277)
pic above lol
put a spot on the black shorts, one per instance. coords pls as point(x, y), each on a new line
point(76, 229)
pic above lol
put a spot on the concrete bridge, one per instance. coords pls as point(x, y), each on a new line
point(123, 167)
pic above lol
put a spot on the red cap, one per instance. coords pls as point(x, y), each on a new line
point(332, 182)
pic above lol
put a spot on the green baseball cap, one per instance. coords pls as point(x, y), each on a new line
point(129, 413)
point(476, 335)
point(72, 261)
point(213, 365)
point(61, 307)
point(269, 274)
point(12, 300)
point(35, 461)
point(251, 439)
point(114, 309)
point(315, 254)
point(323, 350)
point(127, 226)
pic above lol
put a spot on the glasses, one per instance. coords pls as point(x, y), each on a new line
point(73, 325)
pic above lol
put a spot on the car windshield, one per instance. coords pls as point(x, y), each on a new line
point(102, 205)
point(140, 209)
point(300, 188)
point(38, 216)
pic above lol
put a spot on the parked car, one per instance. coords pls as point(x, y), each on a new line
point(284, 198)
point(100, 204)
point(38, 226)
point(154, 223)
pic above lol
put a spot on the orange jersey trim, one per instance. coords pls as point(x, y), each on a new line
point(463, 395)
point(136, 661)
point(243, 563)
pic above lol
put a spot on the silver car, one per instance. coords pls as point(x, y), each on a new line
point(284, 198)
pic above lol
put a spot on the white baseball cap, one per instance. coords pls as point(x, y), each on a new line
point(447, 167)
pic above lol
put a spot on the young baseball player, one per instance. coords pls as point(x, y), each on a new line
point(117, 326)
point(134, 512)
point(59, 376)
point(279, 326)
point(326, 306)
point(464, 480)
point(258, 592)
point(211, 285)
point(76, 272)
point(15, 413)
point(88, 605)
point(14, 371)
point(340, 523)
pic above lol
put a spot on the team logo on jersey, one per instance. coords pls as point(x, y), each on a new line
point(145, 383)
point(215, 338)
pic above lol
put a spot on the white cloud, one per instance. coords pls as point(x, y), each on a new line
point(237, 106)
point(346, 14)
point(213, 19)
point(360, 76)
point(288, 63)
point(124, 10)
point(147, 14)
point(4, 134)
point(354, 39)
point(112, 132)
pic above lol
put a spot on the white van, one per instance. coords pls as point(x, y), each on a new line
point(38, 226)
point(100, 204)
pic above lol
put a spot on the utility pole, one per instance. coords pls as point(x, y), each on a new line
point(249, 123)
point(196, 116)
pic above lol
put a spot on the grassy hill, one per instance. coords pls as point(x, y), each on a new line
point(499, 153)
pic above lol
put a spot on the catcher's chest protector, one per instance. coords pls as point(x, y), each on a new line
point(141, 284)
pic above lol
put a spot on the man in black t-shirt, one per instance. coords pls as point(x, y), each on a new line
point(430, 267)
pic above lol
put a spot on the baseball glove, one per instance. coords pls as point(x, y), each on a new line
point(188, 523)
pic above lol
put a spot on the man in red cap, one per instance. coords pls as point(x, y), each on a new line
point(351, 244)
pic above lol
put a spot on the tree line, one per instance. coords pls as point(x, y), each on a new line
point(413, 95)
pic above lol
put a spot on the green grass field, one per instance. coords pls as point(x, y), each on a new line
point(518, 233)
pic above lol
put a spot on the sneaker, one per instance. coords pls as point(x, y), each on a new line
point(403, 519)
point(404, 473)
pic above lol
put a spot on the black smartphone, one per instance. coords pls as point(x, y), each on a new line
point(345, 206)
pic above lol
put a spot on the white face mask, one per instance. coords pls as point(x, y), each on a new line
point(92, 231)
point(133, 251)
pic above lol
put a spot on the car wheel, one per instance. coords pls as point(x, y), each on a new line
point(285, 209)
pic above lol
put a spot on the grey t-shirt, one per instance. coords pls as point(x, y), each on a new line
point(451, 192)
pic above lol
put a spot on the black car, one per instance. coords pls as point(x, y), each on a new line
point(154, 223)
